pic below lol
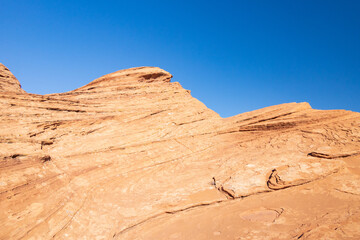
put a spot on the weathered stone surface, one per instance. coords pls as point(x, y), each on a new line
point(8, 82)
point(132, 155)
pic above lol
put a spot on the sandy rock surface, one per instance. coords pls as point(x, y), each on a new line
point(132, 155)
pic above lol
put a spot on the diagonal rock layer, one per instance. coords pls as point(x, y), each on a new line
point(132, 155)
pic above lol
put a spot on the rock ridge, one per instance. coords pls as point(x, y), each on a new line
point(132, 155)
point(8, 82)
point(131, 76)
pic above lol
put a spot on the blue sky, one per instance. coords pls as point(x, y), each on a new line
point(235, 56)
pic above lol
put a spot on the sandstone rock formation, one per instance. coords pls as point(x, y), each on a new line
point(132, 155)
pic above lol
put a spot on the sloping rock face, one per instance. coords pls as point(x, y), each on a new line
point(133, 156)
point(8, 82)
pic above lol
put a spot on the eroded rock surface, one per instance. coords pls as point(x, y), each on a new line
point(132, 155)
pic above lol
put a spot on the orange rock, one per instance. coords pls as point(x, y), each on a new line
point(132, 155)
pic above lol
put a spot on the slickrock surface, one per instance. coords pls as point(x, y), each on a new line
point(132, 155)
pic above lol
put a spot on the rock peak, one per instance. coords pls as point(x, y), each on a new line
point(131, 76)
point(8, 82)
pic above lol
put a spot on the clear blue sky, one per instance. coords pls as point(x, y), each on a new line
point(235, 56)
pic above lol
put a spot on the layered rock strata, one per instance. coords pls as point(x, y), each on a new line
point(133, 155)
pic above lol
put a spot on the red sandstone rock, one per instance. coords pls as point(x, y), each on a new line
point(132, 155)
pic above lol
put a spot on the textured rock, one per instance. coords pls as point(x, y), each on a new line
point(8, 82)
point(132, 155)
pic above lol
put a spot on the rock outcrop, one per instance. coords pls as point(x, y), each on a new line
point(8, 82)
point(132, 155)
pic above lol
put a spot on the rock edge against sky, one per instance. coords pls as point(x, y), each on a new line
point(132, 155)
